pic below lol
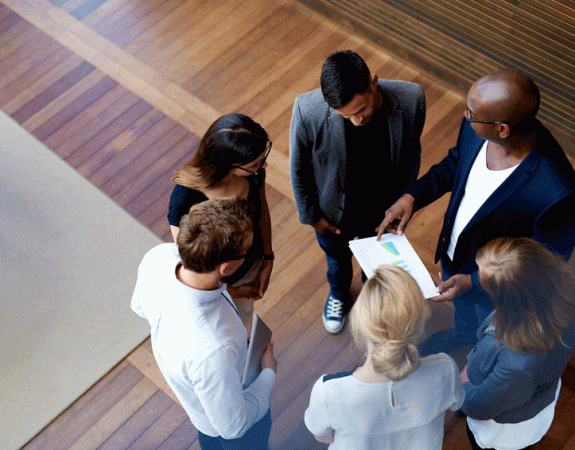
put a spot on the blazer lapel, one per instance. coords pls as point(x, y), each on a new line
point(337, 131)
point(512, 184)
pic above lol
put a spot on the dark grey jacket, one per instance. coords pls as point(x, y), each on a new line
point(318, 150)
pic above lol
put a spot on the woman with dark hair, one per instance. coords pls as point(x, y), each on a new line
point(230, 161)
point(512, 379)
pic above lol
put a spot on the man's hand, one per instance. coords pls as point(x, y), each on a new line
point(268, 361)
point(250, 291)
point(454, 287)
point(324, 227)
point(397, 216)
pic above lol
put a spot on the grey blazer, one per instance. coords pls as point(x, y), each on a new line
point(318, 150)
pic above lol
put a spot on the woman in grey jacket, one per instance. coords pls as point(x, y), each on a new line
point(512, 379)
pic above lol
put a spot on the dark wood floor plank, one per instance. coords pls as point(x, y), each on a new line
point(62, 117)
point(136, 426)
point(162, 429)
point(128, 156)
point(123, 186)
point(53, 91)
point(182, 438)
point(104, 156)
point(128, 112)
point(93, 120)
point(136, 182)
point(164, 169)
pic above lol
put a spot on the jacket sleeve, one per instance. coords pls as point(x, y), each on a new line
point(506, 387)
point(411, 153)
point(301, 169)
point(439, 178)
point(231, 410)
point(555, 226)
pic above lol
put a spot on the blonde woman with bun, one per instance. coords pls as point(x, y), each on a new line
point(395, 400)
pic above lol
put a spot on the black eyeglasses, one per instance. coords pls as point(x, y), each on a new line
point(237, 258)
point(467, 115)
point(261, 163)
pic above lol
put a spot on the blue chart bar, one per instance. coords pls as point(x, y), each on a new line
point(401, 263)
point(390, 247)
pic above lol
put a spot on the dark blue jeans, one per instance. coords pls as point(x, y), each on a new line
point(256, 438)
point(339, 268)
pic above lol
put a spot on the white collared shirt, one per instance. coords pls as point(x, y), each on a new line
point(200, 345)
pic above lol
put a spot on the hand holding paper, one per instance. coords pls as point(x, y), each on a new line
point(392, 249)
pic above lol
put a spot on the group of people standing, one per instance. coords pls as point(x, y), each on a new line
point(354, 161)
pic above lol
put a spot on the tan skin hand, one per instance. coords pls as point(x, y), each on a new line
point(324, 227)
point(268, 360)
point(455, 286)
point(264, 276)
point(397, 216)
point(250, 291)
point(463, 375)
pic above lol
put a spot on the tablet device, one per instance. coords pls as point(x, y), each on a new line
point(259, 339)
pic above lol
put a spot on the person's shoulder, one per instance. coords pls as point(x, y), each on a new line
point(439, 361)
point(400, 87)
point(311, 100)
point(337, 376)
point(162, 253)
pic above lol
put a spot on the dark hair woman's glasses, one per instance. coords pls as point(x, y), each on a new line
point(257, 167)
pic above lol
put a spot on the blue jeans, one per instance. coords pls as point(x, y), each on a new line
point(256, 438)
point(339, 268)
point(471, 309)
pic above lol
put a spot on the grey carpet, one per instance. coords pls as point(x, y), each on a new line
point(68, 263)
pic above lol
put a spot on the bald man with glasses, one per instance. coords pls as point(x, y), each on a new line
point(508, 177)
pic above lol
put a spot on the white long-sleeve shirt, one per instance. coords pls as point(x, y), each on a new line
point(200, 345)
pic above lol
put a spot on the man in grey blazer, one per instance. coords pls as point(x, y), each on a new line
point(354, 147)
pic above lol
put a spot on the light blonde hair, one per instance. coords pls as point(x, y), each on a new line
point(390, 313)
point(533, 290)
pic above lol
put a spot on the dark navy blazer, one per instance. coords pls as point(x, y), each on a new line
point(537, 200)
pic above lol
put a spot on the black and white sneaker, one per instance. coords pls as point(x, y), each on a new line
point(333, 315)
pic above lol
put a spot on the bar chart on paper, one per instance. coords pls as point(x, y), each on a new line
point(392, 249)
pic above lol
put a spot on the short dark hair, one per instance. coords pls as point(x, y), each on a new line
point(343, 75)
point(214, 232)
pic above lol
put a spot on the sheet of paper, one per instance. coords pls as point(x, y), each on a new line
point(396, 250)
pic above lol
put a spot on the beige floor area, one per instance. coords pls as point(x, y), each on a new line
point(69, 258)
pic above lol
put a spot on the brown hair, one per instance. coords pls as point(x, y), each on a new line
point(390, 313)
point(533, 290)
point(231, 141)
point(214, 232)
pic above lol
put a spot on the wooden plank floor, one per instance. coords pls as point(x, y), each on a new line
point(122, 90)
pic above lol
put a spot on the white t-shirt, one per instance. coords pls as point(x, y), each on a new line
point(481, 183)
point(404, 414)
point(200, 345)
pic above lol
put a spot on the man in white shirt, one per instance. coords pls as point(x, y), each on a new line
point(198, 338)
